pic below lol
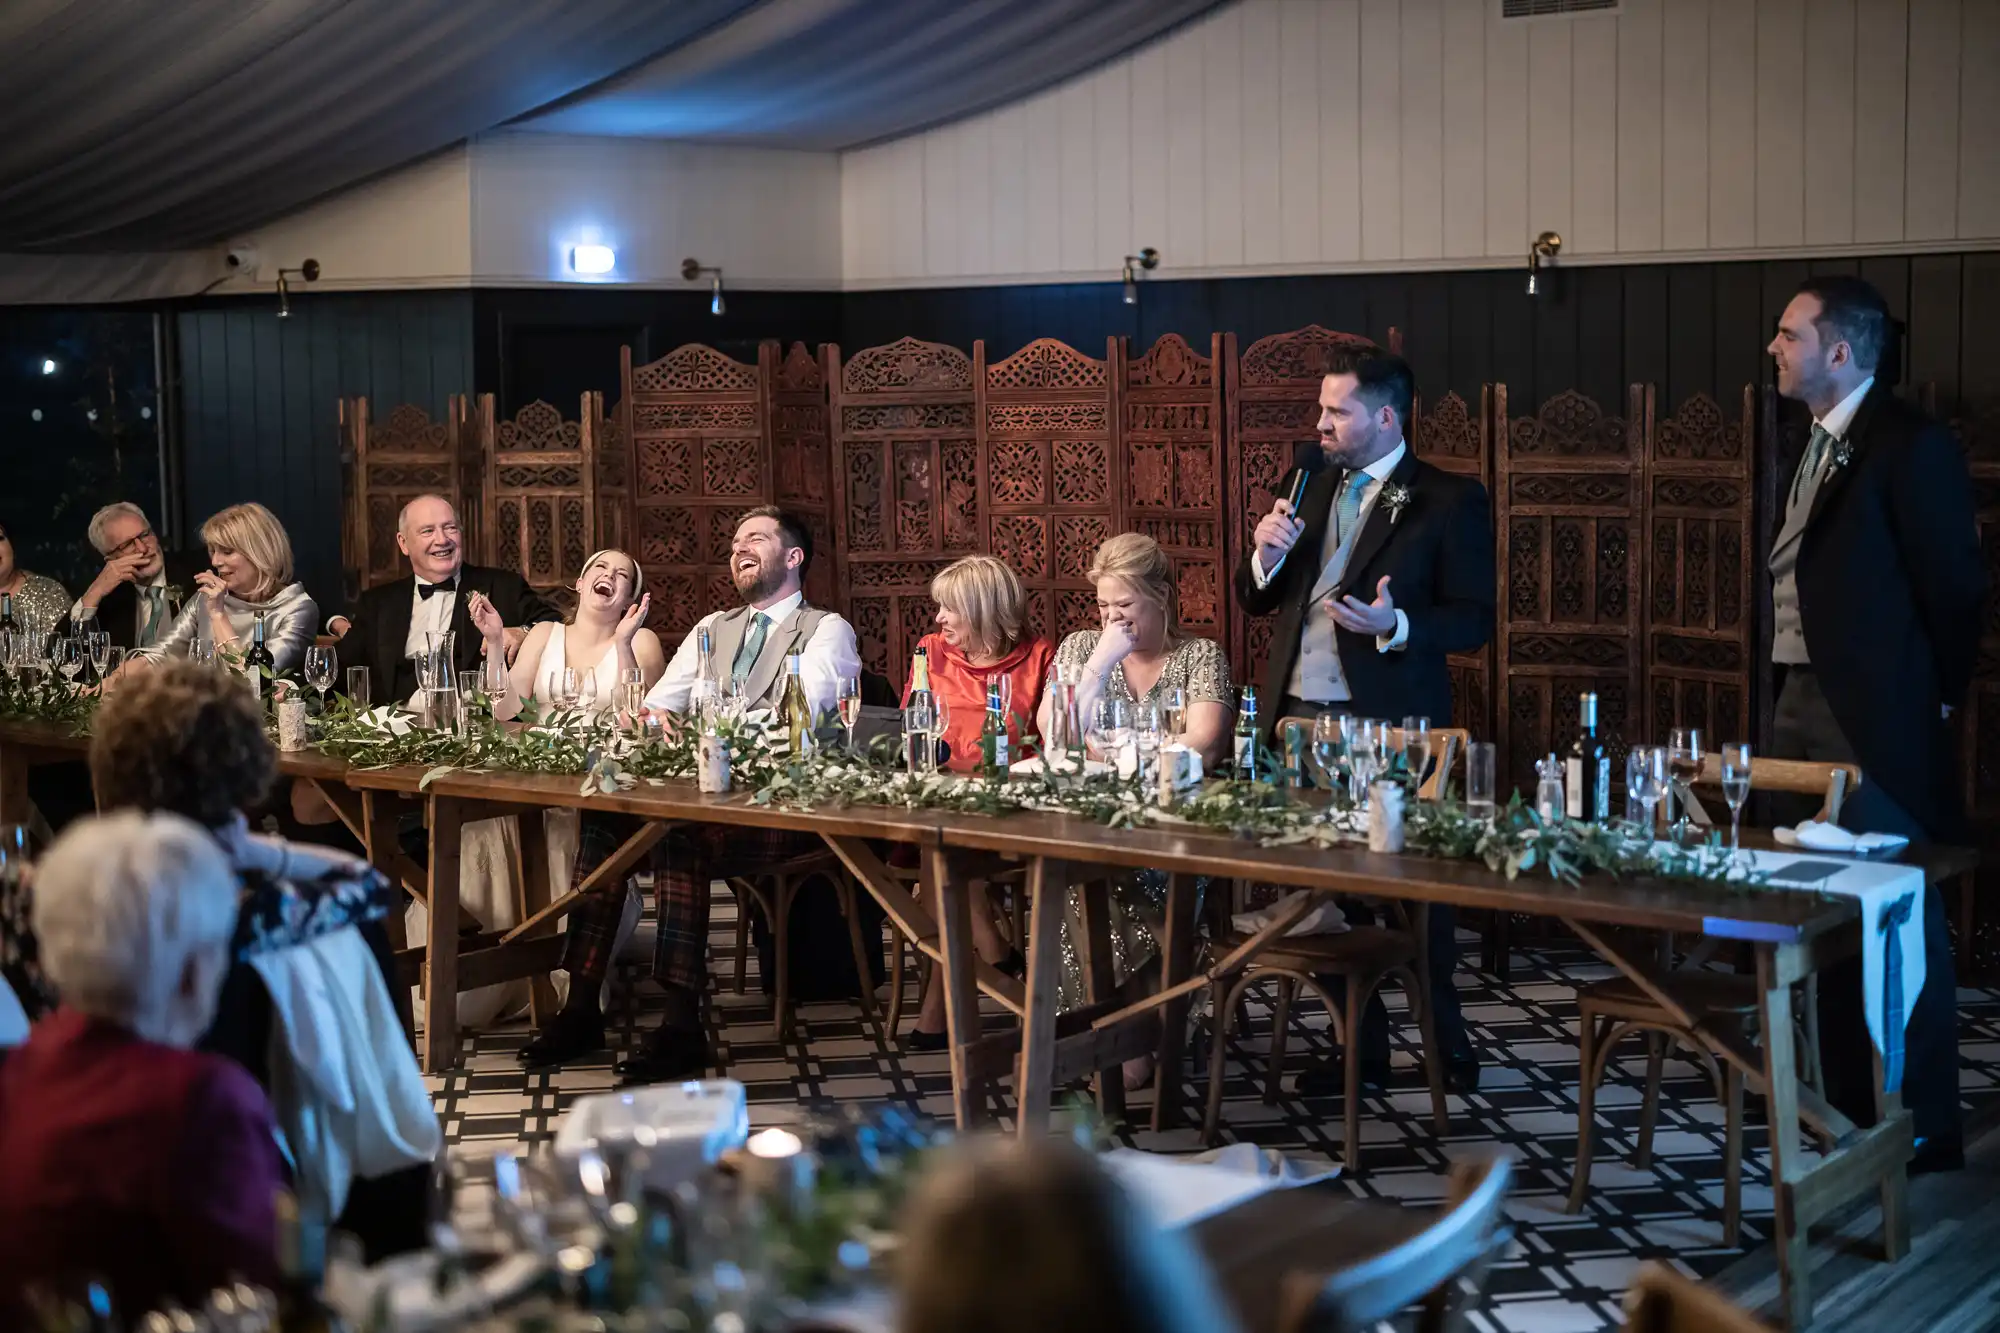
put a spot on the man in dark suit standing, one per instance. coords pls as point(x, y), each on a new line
point(141, 588)
point(1877, 586)
point(1385, 568)
point(389, 623)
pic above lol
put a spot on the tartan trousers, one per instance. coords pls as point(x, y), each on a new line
point(684, 864)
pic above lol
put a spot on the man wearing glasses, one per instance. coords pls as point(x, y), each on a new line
point(137, 594)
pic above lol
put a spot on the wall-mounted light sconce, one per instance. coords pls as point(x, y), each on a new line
point(692, 269)
point(308, 272)
point(1545, 247)
point(1148, 259)
point(591, 260)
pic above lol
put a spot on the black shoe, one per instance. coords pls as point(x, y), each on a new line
point(666, 1055)
point(1938, 1155)
point(918, 1040)
point(1015, 964)
point(571, 1033)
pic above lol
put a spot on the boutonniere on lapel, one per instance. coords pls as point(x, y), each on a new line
point(175, 597)
point(1843, 454)
point(1395, 498)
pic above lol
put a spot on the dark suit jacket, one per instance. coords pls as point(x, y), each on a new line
point(379, 626)
point(151, 1166)
point(1891, 586)
point(1439, 558)
point(117, 614)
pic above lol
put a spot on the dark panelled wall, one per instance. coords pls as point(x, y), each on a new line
point(1685, 327)
point(260, 401)
point(258, 394)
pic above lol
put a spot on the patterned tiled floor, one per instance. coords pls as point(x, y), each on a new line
point(1566, 1272)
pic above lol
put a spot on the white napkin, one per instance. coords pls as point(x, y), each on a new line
point(395, 721)
point(1324, 919)
point(1033, 765)
point(1177, 1191)
point(1876, 886)
point(1819, 836)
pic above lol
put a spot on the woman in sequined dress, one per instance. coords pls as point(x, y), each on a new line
point(1138, 654)
point(38, 601)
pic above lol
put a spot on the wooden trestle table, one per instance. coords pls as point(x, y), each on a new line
point(1792, 935)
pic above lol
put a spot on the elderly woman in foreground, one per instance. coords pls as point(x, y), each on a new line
point(127, 1155)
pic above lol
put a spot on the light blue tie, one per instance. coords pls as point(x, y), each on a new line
point(1349, 508)
point(752, 648)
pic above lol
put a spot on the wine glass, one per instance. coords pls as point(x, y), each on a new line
point(1417, 747)
point(565, 687)
point(1005, 684)
point(1329, 749)
point(1736, 788)
point(321, 665)
point(357, 688)
point(67, 655)
point(1364, 757)
point(847, 696)
point(1173, 709)
point(1146, 731)
point(1111, 727)
point(1683, 766)
point(586, 691)
point(98, 644)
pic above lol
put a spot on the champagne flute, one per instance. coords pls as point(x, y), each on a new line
point(321, 665)
point(1683, 766)
point(848, 696)
point(565, 687)
point(586, 691)
point(1417, 748)
point(1363, 758)
point(98, 644)
point(1173, 702)
point(357, 688)
point(1650, 774)
point(1736, 788)
point(1146, 727)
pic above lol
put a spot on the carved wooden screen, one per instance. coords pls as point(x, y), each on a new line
point(1450, 436)
point(1273, 393)
point(1174, 479)
point(1568, 498)
point(540, 493)
point(1700, 641)
point(388, 462)
point(1979, 432)
point(802, 458)
point(611, 475)
point(908, 482)
point(1053, 481)
point(700, 456)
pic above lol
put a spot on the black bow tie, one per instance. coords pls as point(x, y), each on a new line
point(424, 590)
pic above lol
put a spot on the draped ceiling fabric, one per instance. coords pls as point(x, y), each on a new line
point(137, 126)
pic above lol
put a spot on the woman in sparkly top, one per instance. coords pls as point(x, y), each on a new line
point(38, 601)
point(1139, 654)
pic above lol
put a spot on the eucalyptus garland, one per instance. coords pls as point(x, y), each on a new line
point(44, 696)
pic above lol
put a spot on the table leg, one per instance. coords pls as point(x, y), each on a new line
point(1034, 1079)
point(1787, 1167)
point(441, 948)
point(961, 995)
point(537, 892)
point(1895, 1185)
point(1176, 965)
point(378, 839)
point(1100, 982)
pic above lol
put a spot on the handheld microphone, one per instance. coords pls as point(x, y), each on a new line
point(1296, 492)
point(1307, 459)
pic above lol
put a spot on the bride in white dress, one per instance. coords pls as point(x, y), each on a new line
point(604, 640)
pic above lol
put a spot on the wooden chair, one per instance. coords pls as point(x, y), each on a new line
point(773, 890)
point(1608, 1011)
point(1428, 1268)
point(1365, 956)
point(1660, 1300)
point(904, 960)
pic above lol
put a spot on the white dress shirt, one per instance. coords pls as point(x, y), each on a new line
point(429, 615)
point(1377, 473)
point(831, 653)
point(1841, 415)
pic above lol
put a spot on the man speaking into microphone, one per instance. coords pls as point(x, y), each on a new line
point(1383, 566)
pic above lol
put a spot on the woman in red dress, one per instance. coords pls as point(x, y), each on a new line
point(982, 633)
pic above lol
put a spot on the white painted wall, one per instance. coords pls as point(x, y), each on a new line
point(768, 218)
point(411, 228)
point(1313, 135)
